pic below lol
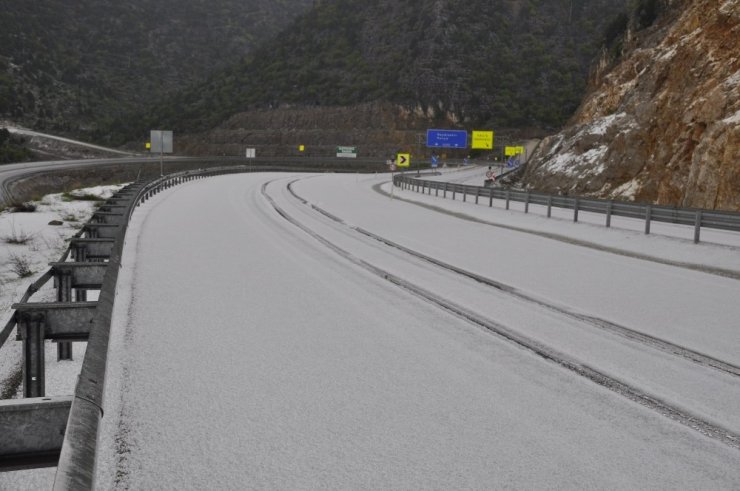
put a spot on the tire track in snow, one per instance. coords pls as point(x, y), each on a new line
point(596, 322)
point(685, 418)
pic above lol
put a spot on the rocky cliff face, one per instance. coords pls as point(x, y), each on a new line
point(663, 125)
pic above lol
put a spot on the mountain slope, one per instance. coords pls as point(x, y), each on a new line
point(511, 63)
point(70, 65)
point(663, 124)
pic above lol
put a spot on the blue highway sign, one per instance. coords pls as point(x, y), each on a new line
point(447, 138)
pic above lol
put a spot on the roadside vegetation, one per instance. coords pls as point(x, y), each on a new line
point(12, 148)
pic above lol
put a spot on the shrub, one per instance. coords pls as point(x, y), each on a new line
point(20, 266)
point(80, 197)
point(18, 238)
point(646, 12)
point(23, 207)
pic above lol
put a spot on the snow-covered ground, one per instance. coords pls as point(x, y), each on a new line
point(28, 243)
point(29, 240)
point(250, 351)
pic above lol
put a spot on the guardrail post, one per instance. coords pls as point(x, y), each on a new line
point(549, 206)
point(508, 198)
point(31, 329)
point(454, 192)
point(697, 226)
point(609, 205)
point(465, 193)
point(648, 217)
point(526, 203)
point(575, 210)
point(490, 197)
point(80, 295)
point(444, 195)
point(436, 189)
point(477, 193)
point(64, 294)
point(79, 253)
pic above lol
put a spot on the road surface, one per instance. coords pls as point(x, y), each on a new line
point(278, 331)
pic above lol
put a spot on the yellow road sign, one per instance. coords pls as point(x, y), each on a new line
point(511, 151)
point(301, 148)
point(148, 145)
point(482, 140)
point(403, 160)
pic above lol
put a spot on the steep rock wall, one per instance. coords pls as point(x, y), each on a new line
point(664, 124)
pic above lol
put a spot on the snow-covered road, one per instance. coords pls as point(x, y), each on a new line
point(260, 344)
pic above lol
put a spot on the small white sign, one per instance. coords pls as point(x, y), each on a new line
point(251, 153)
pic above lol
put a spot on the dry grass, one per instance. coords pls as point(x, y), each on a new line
point(17, 237)
point(20, 265)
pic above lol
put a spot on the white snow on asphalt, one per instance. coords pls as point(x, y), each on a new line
point(247, 355)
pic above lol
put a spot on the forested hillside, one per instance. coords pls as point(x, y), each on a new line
point(511, 63)
point(71, 66)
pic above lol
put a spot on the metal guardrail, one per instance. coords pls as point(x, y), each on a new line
point(695, 217)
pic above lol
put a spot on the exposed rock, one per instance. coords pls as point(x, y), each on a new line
point(377, 129)
point(56, 223)
point(664, 124)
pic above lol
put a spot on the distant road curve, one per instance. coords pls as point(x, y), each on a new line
point(13, 172)
point(25, 132)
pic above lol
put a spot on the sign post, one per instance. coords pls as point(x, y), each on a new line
point(161, 142)
point(250, 154)
point(392, 166)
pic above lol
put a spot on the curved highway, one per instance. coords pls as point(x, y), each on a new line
point(12, 172)
point(298, 332)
